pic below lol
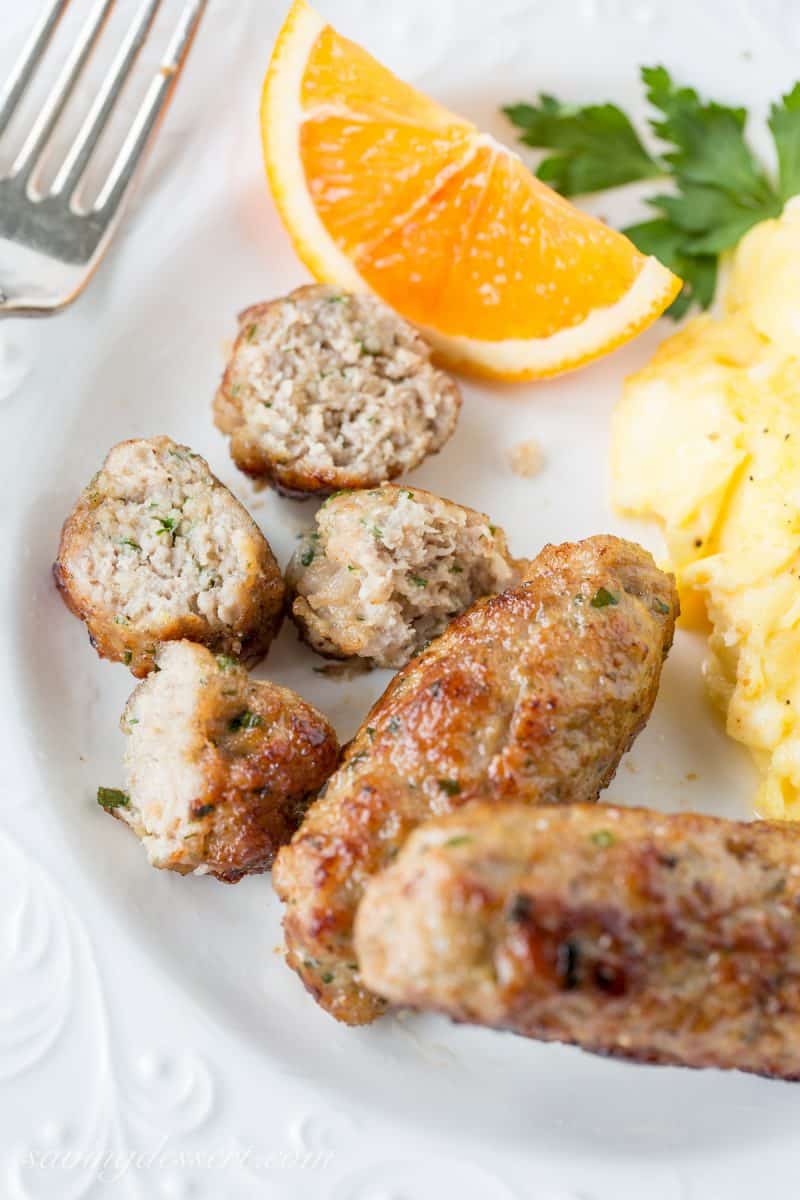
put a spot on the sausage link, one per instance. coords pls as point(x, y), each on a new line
point(535, 693)
point(666, 939)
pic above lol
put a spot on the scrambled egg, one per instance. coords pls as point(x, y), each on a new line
point(707, 439)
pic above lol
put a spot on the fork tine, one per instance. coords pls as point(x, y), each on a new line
point(77, 158)
point(62, 89)
point(152, 106)
point(25, 66)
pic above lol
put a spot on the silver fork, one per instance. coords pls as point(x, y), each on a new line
point(49, 246)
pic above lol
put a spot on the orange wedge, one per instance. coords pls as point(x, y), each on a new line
point(381, 188)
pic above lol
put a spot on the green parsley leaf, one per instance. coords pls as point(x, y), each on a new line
point(722, 189)
point(109, 798)
point(461, 839)
point(603, 598)
point(226, 662)
point(130, 542)
point(451, 786)
point(698, 272)
point(418, 581)
point(598, 146)
point(168, 525)
point(713, 219)
point(707, 139)
point(784, 124)
point(245, 720)
point(307, 557)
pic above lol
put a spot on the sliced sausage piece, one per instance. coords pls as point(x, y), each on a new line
point(666, 939)
point(384, 570)
point(219, 767)
point(327, 390)
point(157, 548)
point(536, 693)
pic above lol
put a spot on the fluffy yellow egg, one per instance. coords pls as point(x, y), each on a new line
point(707, 440)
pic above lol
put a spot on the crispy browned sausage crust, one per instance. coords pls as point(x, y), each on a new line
point(260, 786)
point(535, 693)
point(220, 768)
point(666, 939)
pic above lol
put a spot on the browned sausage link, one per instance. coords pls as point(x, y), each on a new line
point(535, 693)
point(667, 939)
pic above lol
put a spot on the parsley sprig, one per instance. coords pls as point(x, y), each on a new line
point(720, 189)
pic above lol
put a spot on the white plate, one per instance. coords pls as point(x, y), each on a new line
point(141, 355)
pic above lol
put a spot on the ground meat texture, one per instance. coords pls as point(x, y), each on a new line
point(667, 939)
point(156, 549)
point(219, 767)
point(326, 390)
point(535, 694)
point(383, 571)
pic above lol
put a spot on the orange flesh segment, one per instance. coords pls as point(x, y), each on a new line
point(340, 75)
point(500, 258)
point(451, 230)
point(402, 163)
